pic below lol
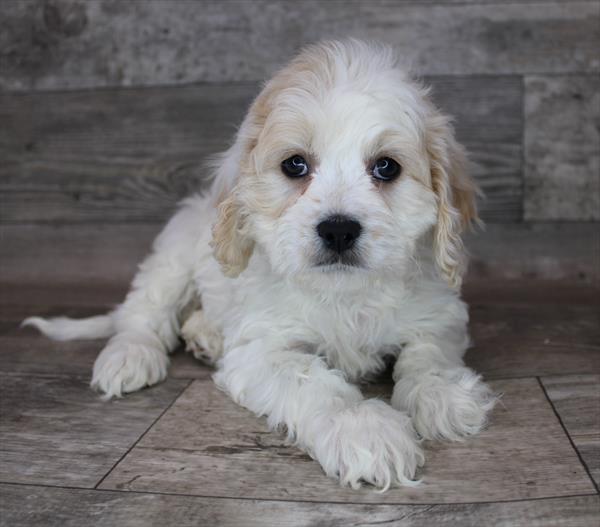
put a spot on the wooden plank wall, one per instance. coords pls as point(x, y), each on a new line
point(108, 108)
point(128, 155)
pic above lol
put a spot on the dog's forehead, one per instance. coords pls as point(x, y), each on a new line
point(344, 120)
point(352, 120)
point(345, 108)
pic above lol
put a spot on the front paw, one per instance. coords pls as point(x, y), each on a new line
point(128, 364)
point(202, 338)
point(449, 404)
point(370, 442)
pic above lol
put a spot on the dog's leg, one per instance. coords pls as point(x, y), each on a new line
point(354, 439)
point(146, 324)
point(445, 399)
point(202, 338)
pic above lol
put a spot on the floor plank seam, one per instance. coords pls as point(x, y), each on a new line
point(168, 407)
point(281, 500)
point(583, 463)
point(208, 378)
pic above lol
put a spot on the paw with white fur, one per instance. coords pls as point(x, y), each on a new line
point(448, 404)
point(129, 364)
point(202, 338)
point(370, 442)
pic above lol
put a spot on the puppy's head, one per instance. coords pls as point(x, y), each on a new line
point(343, 164)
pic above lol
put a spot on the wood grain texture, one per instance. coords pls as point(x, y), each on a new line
point(55, 430)
point(532, 292)
point(75, 44)
point(27, 353)
point(489, 123)
point(535, 252)
point(562, 147)
point(577, 401)
point(103, 257)
point(108, 156)
point(520, 340)
point(26, 506)
point(223, 450)
point(63, 261)
point(105, 156)
point(37, 355)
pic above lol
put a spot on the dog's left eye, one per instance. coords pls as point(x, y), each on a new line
point(386, 169)
point(295, 166)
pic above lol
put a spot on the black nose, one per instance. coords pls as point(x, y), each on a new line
point(339, 233)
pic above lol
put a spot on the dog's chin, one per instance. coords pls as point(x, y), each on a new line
point(336, 275)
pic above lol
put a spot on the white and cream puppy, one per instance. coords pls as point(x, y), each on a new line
point(330, 240)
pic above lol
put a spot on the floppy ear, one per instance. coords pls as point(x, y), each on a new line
point(455, 192)
point(231, 243)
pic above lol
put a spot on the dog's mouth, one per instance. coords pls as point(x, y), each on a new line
point(337, 268)
point(338, 262)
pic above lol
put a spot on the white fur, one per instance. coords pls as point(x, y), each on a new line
point(290, 337)
point(63, 328)
point(202, 338)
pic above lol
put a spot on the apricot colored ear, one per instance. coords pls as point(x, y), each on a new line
point(231, 244)
point(456, 197)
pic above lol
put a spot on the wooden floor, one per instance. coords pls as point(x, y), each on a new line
point(183, 454)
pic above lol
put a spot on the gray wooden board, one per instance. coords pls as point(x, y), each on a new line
point(562, 147)
point(520, 340)
point(26, 353)
point(577, 401)
point(516, 339)
point(110, 155)
point(26, 506)
point(220, 449)
point(533, 292)
point(107, 156)
point(39, 355)
point(106, 257)
point(55, 430)
point(56, 45)
point(532, 252)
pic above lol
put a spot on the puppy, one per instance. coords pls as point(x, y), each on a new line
point(335, 244)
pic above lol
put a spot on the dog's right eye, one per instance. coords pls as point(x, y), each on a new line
point(295, 166)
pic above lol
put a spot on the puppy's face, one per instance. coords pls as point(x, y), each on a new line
point(340, 184)
point(339, 175)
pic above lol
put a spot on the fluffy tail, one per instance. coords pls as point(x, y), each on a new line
point(63, 328)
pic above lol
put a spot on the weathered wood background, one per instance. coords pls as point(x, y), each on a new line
point(108, 108)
